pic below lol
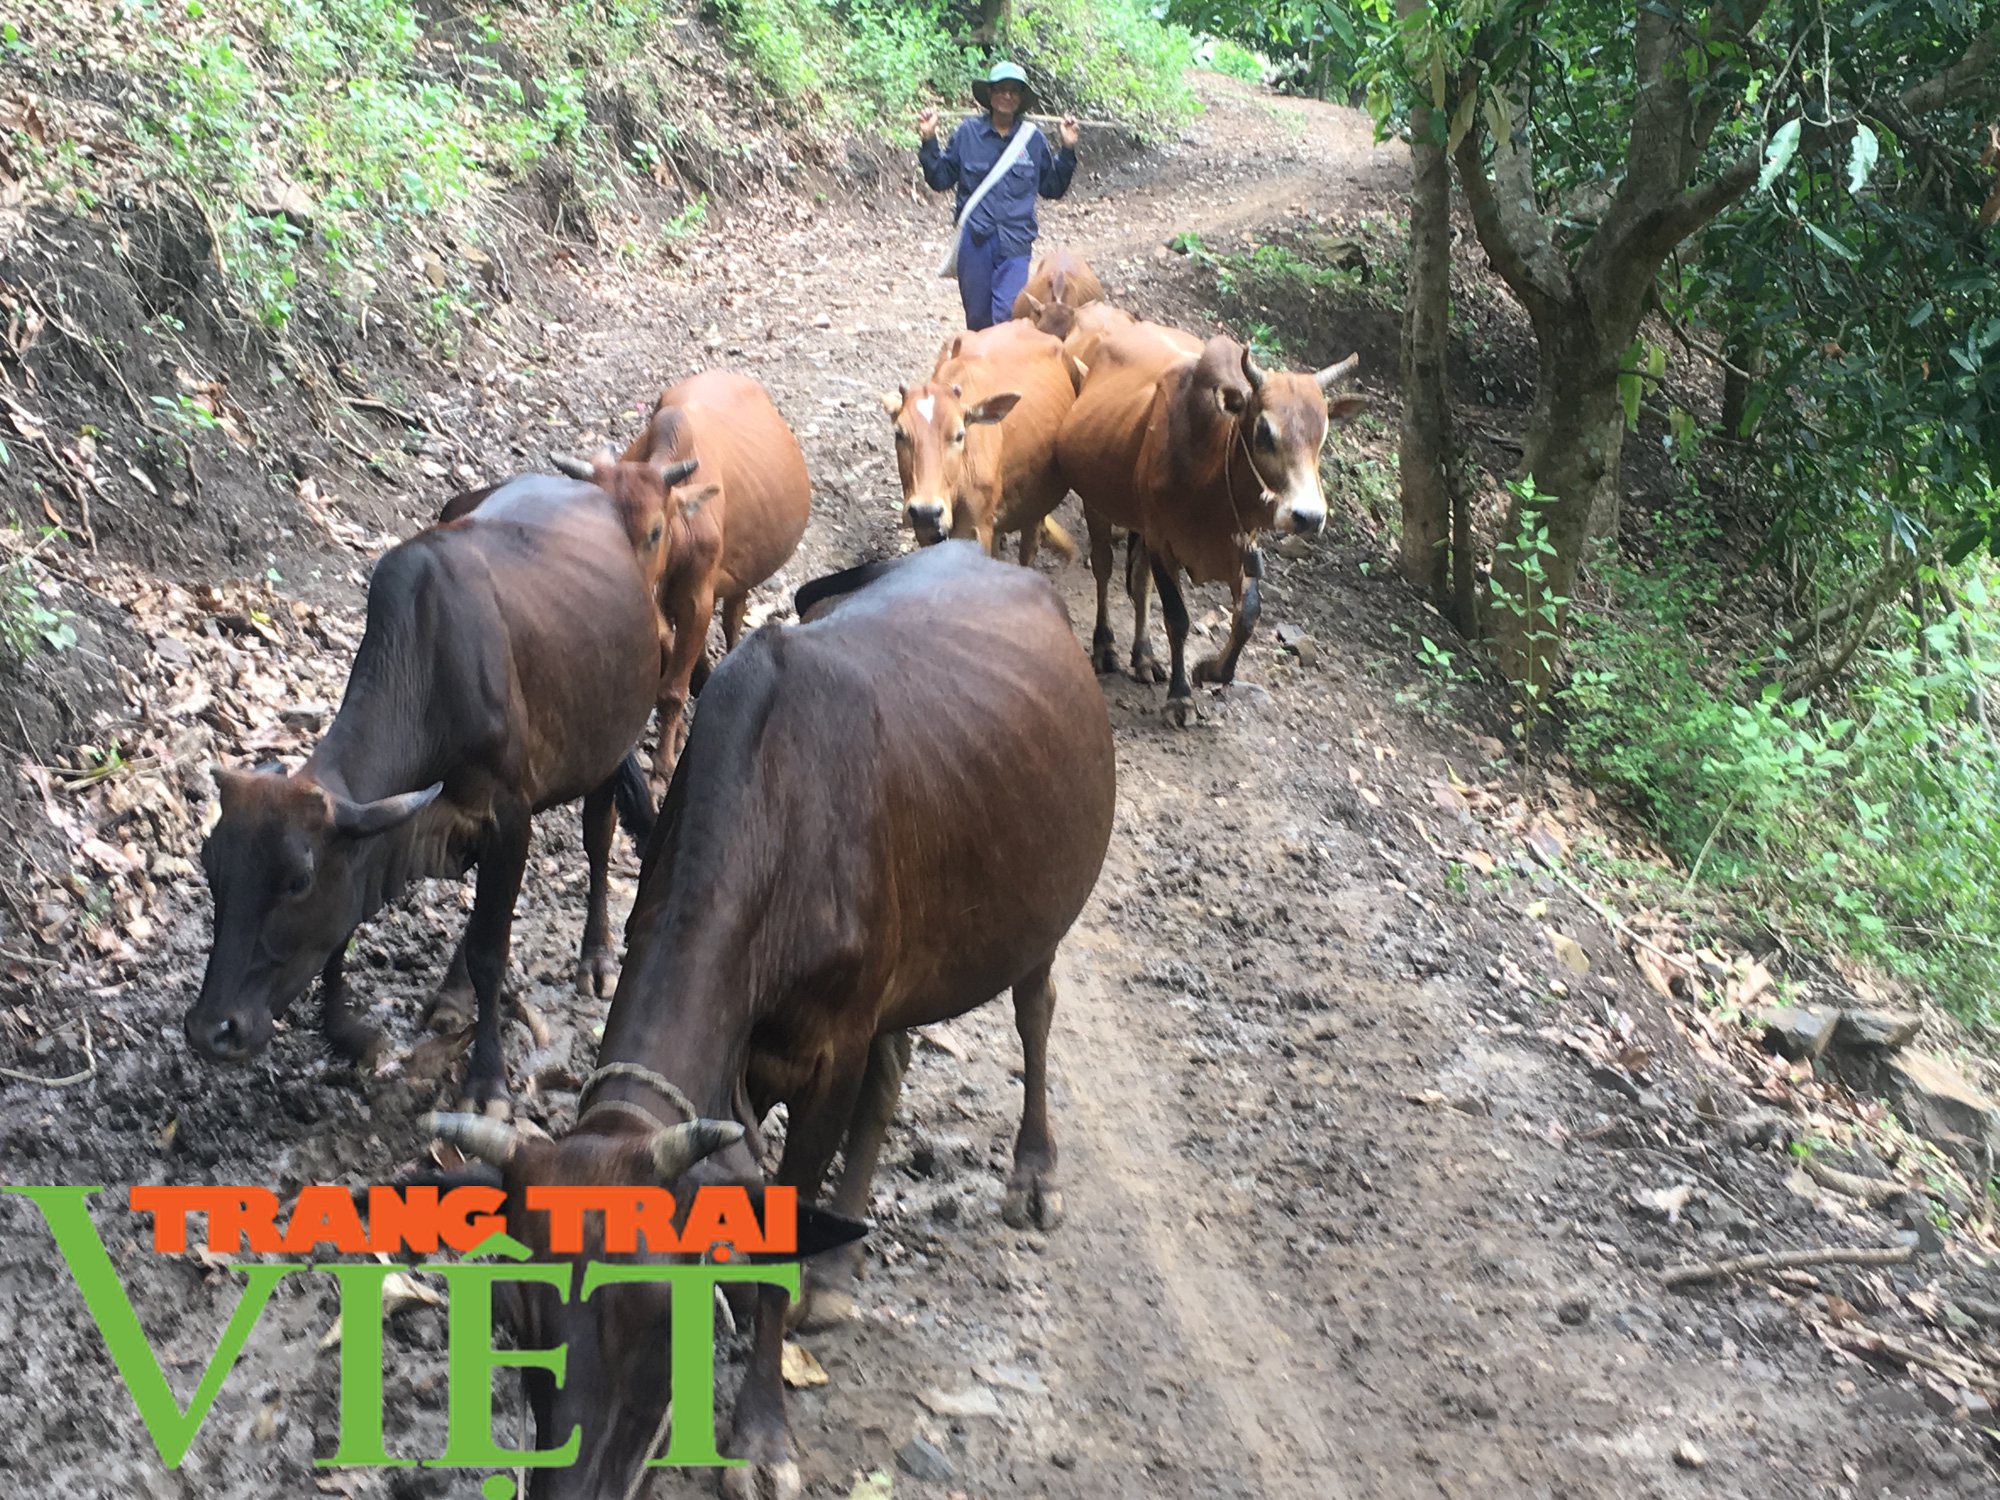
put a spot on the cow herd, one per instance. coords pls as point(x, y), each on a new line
point(883, 815)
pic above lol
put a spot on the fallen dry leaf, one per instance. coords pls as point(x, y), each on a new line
point(1569, 950)
point(799, 1368)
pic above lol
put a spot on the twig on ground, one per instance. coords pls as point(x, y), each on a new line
point(1776, 1260)
point(408, 419)
point(1908, 1352)
point(89, 1071)
point(1609, 917)
point(1873, 1191)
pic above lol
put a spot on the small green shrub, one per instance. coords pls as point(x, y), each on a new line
point(1238, 62)
point(25, 621)
point(1874, 827)
point(1109, 56)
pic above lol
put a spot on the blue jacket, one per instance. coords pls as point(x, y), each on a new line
point(1008, 212)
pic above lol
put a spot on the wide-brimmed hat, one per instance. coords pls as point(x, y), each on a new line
point(1003, 72)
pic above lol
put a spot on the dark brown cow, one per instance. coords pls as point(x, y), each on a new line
point(1060, 283)
point(510, 659)
point(747, 529)
point(1195, 449)
point(885, 816)
point(976, 443)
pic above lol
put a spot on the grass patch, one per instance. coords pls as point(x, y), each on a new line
point(871, 64)
point(1874, 826)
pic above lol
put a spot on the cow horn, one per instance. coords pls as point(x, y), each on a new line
point(1252, 371)
point(575, 468)
point(678, 1147)
point(1332, 375)
point(361, 820)
point(475, 1135)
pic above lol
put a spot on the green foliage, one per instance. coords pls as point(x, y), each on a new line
point(1534, 603)
point(871, 64)
point(375, 130)
point(1108, 57)
point(1313, 45)
point(863, 64)
point(1874, 826)
point(1237, 62)
point(686, 224)
point(25, 621)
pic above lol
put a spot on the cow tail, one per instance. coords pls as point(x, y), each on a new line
point(1058, 540)
point(634, 798)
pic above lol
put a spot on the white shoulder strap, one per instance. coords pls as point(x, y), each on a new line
point(1023, 134)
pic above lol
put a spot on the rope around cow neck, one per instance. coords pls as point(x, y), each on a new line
point(640, 1074)
point(1248, 533)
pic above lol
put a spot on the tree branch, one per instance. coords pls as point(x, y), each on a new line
point(1966, 76)
point(1511, 230)
point(1694, 208)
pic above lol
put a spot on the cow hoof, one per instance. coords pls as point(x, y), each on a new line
point(820, 1308)
point(1034, 1206)
point(762, 1482)
point(449, 1011)
point(1145, 667)
point(1211, 671)
point(1180, 712)
point(495, 1109)
point(597, 974)
point(360, 1044)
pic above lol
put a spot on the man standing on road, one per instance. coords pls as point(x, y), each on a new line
point(994, 243)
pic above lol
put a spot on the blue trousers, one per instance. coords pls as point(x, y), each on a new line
point(988, 285)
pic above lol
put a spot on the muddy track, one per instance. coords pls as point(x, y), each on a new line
point(1344, 1219)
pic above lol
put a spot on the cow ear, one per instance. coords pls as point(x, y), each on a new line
point(892, 402)
point(231, 785)
point(993, 408)
point(694, 499)
point(360, 820)
point(1344, 408)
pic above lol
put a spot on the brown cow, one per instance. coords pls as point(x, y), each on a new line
point(885, 816)
point(1060, 283)
point(510, 659)
point(745, 532)
point(1088, 330)
point(976, 443)
point(1195, 449)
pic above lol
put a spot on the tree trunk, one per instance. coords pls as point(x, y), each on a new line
point(1607, 500)
point(995, 17)
point(1425, 459)
point(1745, 353)
point(1575, 434)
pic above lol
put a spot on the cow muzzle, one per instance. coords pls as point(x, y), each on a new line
point(1302, 518)
point(926, 520)
point(235, 1035)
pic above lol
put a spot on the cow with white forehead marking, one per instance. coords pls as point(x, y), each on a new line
point(1196, 449)
point(976, 443)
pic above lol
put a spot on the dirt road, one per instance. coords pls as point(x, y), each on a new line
point(1345, 1216)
